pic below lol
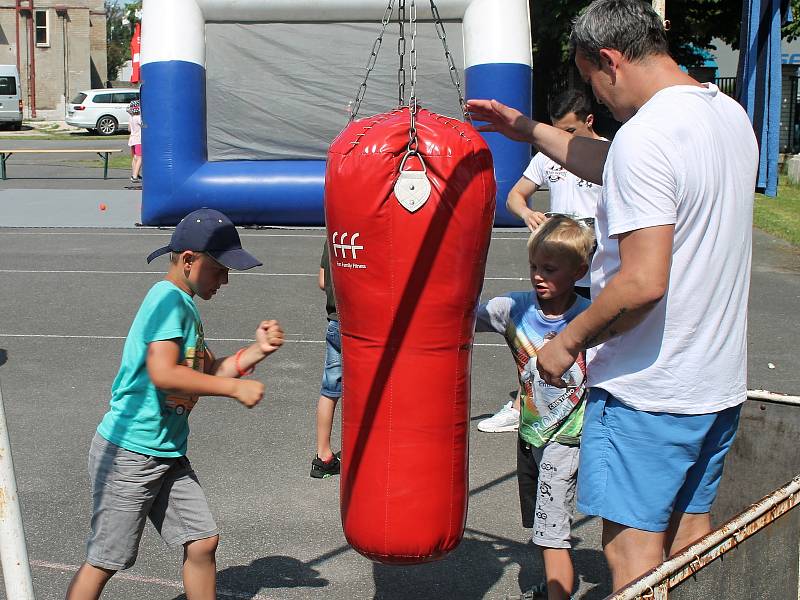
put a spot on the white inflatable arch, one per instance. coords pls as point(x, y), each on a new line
point(179, 176)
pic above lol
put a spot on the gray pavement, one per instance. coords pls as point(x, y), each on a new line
point(69, 296)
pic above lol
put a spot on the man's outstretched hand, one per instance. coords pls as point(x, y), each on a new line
point(502, 119)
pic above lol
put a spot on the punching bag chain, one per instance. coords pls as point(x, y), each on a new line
point(401, 52)
point(449, 58)
point(412, 99)
point(373, 56)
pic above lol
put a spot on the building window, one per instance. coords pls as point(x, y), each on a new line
point(42, 28)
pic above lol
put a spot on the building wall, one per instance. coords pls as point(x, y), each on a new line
point(73, 59)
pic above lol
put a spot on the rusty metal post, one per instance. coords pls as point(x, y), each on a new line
point(13, 551)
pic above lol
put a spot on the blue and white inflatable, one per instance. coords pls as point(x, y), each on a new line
point(179, 176)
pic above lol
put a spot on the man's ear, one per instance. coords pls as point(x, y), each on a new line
point(589, 121)
point(610, 60)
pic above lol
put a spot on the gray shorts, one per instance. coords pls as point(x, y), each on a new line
point(546, 479)
point(128, 487)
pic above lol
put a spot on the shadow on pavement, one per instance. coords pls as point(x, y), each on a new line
point(265, 573)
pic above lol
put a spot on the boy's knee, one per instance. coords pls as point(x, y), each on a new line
point(199, 549)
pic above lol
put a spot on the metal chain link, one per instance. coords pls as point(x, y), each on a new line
point(401, 52)
point(449, 58)
point(412, 99)
point(373, 57)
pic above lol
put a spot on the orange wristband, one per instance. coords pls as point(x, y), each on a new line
point(239, 369)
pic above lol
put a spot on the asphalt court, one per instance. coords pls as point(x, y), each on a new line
point(69, 296)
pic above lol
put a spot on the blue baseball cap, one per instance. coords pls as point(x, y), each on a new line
point(208, 230)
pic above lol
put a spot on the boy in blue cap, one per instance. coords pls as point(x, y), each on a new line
point(137, 460)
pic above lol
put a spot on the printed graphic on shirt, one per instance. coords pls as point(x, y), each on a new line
point(194, 358)
point(547, 411)
point(555, 173)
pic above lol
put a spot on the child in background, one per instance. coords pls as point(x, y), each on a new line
point(551, 417)
point(137, 460)
point(135, 140)
point(326, 463)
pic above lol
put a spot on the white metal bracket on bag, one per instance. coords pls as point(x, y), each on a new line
point(412, 188)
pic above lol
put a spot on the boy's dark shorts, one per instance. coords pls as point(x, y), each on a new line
point(332, 375)
point(127, 488)
point(546, 478)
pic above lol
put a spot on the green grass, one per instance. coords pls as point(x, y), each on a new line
point(780, 216)
point(115, 161)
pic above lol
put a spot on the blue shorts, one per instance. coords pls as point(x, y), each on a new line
point(332, 376)
point(638, 467)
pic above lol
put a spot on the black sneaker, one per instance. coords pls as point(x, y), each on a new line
point(321, 469)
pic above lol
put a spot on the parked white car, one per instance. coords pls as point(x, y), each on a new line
point(101, 110)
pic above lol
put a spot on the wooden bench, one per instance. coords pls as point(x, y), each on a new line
point(101, 152)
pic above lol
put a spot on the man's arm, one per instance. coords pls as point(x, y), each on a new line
point(517, 203)
point(643, 278)
point(581, 156)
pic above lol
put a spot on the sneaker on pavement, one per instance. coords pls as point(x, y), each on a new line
point(321, 469)
point(505, 419)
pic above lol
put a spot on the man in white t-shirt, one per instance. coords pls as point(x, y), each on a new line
point(570, 111)
point(667, 330)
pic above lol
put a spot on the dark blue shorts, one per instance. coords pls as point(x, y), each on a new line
point(638, 467)
point(332, 376)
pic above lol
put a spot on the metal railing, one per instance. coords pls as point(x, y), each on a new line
point(656, 584)
point(727, 85)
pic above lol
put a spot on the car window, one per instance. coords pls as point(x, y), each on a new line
point(8, 85)
point(131, 96)
point(121, 98)
point(103, 98)
point(79, 98)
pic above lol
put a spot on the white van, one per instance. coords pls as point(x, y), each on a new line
point(10, 102)
point(101, 110)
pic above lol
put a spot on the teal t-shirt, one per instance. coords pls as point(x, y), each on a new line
point(141, 417)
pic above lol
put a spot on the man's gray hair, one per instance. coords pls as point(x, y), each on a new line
point(630, 26)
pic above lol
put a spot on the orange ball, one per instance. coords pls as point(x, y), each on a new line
point(103, 206)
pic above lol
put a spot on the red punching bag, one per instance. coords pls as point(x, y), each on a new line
point(408, 236)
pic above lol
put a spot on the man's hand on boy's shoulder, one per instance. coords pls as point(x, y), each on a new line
point(249, 392)
point(269, 336)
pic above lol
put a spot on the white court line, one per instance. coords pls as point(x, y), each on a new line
point(122, 337)
point(144, 579)
point(161, 273)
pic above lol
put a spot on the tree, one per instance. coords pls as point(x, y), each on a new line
point(693, 24)
point(120, 21)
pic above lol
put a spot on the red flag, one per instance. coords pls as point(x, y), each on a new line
point(136, 45)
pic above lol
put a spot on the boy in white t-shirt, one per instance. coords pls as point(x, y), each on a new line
point(569, 195)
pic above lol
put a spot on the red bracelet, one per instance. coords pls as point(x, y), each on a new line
point(239, 369)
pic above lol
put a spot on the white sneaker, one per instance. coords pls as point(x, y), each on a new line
point(505, 419)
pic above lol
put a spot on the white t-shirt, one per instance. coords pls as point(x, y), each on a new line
point(688, 158)
point(569, 194)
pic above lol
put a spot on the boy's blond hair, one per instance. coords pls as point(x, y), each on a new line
point(563, 237)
